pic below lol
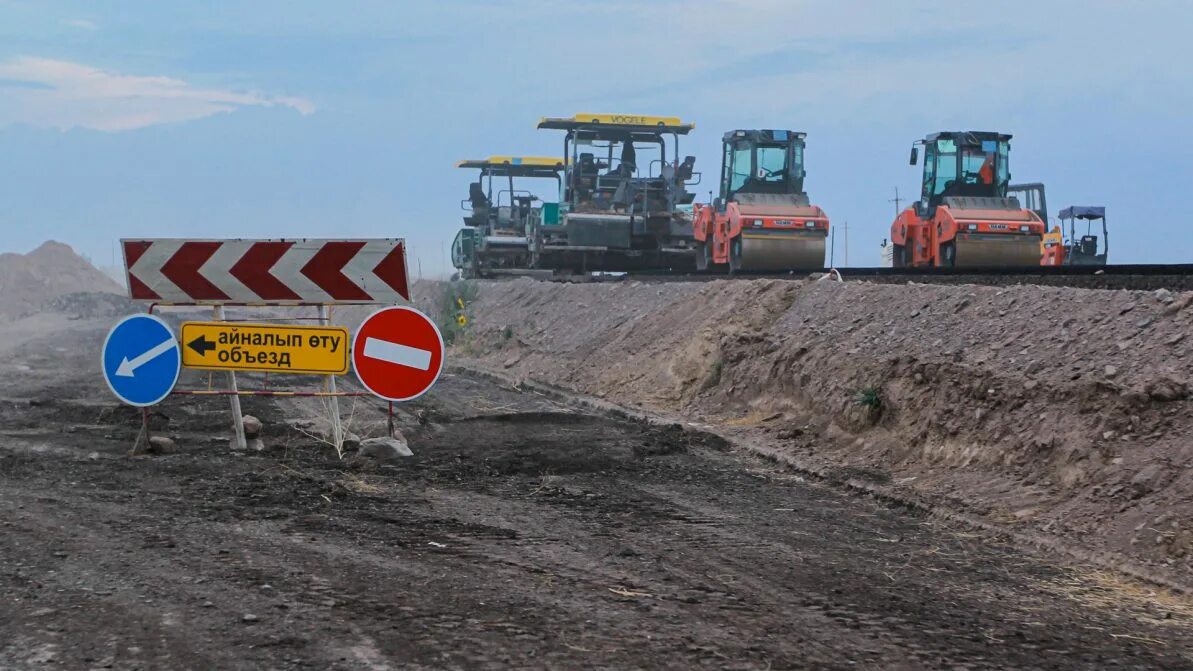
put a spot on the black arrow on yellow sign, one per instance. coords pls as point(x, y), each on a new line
point(201, 345)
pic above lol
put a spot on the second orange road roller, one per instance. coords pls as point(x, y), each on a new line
point(763, 219)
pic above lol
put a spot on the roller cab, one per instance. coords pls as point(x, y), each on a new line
point(763, 219)
point(965, 217)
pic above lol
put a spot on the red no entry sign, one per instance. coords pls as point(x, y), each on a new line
point(397, 353)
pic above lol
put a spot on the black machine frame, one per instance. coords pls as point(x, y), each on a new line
point(619, 133)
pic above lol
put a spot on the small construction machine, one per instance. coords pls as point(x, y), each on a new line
point(1082, 251)
point(762, 219)
point(620, 211)
point(965, 217)
point(503, 217)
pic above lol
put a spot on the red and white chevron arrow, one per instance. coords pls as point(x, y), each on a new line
point(266, 271)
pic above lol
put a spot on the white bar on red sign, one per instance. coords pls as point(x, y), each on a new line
point(394, 353)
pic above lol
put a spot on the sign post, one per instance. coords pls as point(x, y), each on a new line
point(337, 431)
point(242, 443)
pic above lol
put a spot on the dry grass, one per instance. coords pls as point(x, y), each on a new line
point(359, 485)
point(1109, 591)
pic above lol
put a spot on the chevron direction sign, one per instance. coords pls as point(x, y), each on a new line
point(213, 272)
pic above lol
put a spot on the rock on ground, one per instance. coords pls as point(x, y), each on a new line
point(385, 449)
point(252, 426)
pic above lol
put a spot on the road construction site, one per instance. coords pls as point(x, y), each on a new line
point(525, 531)
point(729, 474)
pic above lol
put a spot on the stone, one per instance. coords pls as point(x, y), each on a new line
point(1031, 384)
point(161, 445)
point(249, 618)
point(1145, 480)
point(1181, 304)
point(1110, 371)
point(351, 441)
point(512, 361)
point(1166, 389)
point(252, 426)
point(1143, 322)
point(1164, 296)
point(385, 449)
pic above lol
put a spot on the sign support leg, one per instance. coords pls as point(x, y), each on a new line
point(237, 417)
point(143, 439)
point(337, 431)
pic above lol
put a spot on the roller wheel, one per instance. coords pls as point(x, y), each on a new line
point(735, 255)
point(703, 256)
point(948, 255)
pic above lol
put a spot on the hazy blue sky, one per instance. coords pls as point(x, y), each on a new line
point(287, 118)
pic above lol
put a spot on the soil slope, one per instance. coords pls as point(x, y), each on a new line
point(1058, 411)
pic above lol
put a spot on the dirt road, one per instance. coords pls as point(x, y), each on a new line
point(522, 534)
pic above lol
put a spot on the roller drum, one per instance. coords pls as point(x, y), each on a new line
point(782, 252)
point(996, 251)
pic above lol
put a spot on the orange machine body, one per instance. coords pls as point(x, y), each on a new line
point(717, 229)
point(1052, 248)
point(923, 239)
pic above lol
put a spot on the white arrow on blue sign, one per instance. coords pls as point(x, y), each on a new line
point(141, 360)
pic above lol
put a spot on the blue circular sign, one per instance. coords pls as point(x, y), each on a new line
point(141, 360)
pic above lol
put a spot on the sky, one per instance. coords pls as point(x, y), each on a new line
point(140, 118)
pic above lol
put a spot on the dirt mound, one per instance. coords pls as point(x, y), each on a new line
point(1055, 410)
point(52, 270)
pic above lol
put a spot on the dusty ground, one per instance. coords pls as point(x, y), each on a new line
point(522, 534)
point(1063, 413)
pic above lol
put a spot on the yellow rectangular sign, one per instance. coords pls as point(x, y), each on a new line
point(275, 348)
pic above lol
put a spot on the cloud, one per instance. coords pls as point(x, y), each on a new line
point(81, 24)
point(61, 94)
point(814, 58)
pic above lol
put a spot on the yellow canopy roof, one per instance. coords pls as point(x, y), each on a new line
point(530, 166)
point(670, 124)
